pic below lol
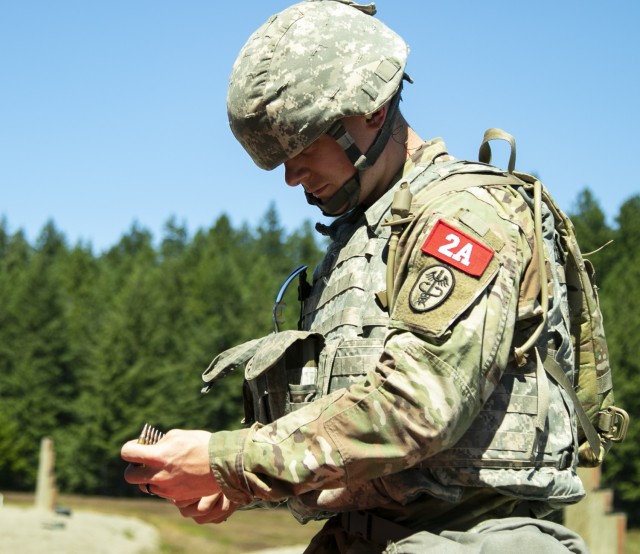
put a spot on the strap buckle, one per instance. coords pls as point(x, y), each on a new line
point(373, 528)
point(357, 523)
point(613, 424)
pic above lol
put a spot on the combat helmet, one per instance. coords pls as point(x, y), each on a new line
point(304, 70)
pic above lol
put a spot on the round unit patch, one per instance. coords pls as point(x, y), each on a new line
point(431, 289)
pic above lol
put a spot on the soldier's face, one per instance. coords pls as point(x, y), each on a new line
point(321, 168)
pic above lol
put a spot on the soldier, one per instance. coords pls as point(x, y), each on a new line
point(412, 418)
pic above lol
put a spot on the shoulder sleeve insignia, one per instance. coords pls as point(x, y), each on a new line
point(432, 287)
point(445, 275)
point(458, 249)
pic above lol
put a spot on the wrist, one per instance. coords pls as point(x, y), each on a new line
point(227, 467)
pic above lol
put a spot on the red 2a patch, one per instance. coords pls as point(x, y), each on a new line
point(458, 249)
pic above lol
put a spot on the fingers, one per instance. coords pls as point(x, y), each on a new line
point(201, 506)
point(184, 503)
point(146, 488)
point(215, 508)
point(138, 474)
point(177, 467)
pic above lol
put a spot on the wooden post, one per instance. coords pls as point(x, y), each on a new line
point(593, 519)
point(46, 492)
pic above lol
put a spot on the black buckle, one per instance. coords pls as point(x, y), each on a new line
point(372, 528)
point(357, 523)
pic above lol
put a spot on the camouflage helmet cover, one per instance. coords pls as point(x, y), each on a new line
point(305, 68)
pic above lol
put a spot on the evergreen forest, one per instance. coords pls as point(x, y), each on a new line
point(92, 346)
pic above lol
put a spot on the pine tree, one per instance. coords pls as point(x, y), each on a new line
point(620, 298)
point(38, 384)
point(593, 232)
point(91, 347)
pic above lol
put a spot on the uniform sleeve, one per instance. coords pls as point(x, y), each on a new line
point(450, 336)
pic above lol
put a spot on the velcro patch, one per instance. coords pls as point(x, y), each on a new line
point(458, 249)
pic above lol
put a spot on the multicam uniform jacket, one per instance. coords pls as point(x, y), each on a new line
point(421, 415)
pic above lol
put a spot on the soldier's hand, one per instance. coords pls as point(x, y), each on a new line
point(177, 467)
point(210, 509)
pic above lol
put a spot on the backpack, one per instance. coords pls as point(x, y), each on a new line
point(600, 423)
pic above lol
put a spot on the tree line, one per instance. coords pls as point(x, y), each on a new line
point(92, 346)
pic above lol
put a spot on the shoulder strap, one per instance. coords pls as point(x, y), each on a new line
point(553, 368)
point(484, 155)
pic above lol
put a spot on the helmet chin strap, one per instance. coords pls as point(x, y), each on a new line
point(348, 195)
point(342, 201)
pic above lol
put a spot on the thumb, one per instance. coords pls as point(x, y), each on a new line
point(136, 453)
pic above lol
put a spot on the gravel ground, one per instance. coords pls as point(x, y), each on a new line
point(32, 531)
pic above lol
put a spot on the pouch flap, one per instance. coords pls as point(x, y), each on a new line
point(229, 360)
point(274, 348)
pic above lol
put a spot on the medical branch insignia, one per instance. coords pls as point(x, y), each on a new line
point(431, 289)
point(456, 248)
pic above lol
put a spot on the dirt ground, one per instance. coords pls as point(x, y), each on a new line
point(26, 530)
point(32, 531)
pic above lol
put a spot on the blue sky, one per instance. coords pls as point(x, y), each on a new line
point(113, 112)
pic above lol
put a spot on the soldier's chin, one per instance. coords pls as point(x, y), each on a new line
point(335, 212)
point(328, 207)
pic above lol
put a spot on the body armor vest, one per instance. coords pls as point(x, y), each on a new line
point(527, 422)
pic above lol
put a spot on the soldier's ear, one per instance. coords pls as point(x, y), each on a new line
point(376, 119)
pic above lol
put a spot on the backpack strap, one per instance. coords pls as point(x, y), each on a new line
point(612, 422)
point(553, 368)
point(484, 155)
